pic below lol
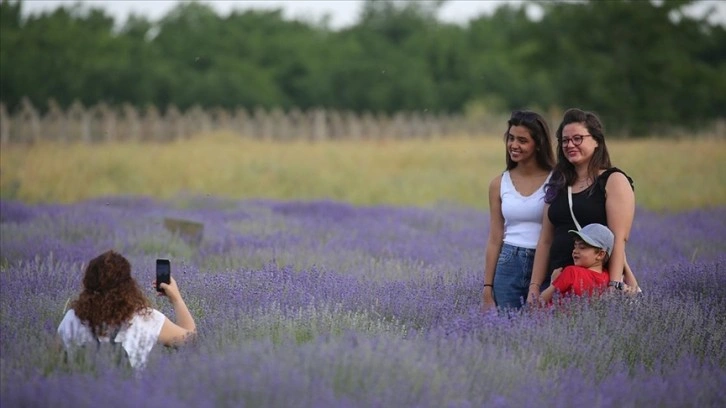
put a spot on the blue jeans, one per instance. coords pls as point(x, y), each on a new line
point(512, 276)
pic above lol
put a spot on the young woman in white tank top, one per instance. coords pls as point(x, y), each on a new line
point(516, 203)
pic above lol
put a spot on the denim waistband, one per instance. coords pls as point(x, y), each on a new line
point(518, 250)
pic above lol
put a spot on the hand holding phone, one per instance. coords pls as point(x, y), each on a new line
point(163, 273)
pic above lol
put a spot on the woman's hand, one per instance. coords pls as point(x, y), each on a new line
point(631, 290)
point(487, 299)
point(533, 295)
point(170, 290)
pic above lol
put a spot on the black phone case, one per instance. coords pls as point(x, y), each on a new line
point(163, 273)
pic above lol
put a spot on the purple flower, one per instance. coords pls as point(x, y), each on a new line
point(326, 304)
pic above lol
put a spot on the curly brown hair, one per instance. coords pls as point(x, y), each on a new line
point(110, 295)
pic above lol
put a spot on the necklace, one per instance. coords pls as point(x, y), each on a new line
point(583, 183)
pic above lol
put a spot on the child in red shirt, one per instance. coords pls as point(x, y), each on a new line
point(593, 246)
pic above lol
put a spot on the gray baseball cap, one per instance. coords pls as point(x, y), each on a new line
point(596, 235)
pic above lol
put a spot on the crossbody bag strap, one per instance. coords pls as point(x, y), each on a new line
point(111, 338)
point(572, 213)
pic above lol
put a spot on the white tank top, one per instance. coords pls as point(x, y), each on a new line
point(522, 215)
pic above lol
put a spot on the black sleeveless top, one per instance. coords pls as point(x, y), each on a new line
point(588, 206)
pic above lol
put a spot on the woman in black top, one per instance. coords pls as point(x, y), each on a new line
point(600, 194)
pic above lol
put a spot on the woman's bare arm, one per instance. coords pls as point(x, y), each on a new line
point(173, 334)
point(620, 210)
point(541, 256)
point(494, 243)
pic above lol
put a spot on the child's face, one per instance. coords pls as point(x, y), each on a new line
point(585, 255)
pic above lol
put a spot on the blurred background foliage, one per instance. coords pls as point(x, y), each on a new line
point(644, 66)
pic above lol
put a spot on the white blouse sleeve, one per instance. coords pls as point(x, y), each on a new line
point(141, 336)
point(72, 331)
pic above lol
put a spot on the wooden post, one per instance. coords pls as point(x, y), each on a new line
point(220, 119)
point(352, 125)
point(31, 121)
point(299, 125)
point(337, 126)
point(280, 122)
point(54, 124)
point(262, 124)
point(384, 126)
point(242, 123)
point(320, 125)
point(175, 123)
point(102, 123)
point(4, 125)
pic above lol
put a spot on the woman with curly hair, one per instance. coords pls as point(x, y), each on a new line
point(112, 308)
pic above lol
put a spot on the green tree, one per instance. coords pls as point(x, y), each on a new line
point(643, 65)
point(632, 61)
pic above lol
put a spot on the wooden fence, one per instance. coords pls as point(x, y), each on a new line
point(103, 123)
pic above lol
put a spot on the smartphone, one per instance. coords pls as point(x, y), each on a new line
point(163, 273)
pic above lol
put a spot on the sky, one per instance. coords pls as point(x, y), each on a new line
point(342, 13)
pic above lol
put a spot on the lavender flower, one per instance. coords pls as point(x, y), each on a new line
point(326, 304)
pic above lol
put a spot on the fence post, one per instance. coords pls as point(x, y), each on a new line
point(197, 120)
point(398, 126)
point(220, 119)
point(78, 117)
point(151, 129)
point(54, 124)
point(320, 125)
point(262, 124)
point(299, 125)
point(132, 125)
point(280, 124)
point(103, 123)
point(719, 129)
point(336, 126)
point(4, 125)
point(384, 125)
point(431, 126)
point(175, 124)
point(29, 119)
point(352, 125)
point(104, 119)
point(242, 123)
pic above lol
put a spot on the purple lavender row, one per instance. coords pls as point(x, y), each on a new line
point(326, 304)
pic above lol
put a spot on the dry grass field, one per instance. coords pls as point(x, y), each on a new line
point(670, 175)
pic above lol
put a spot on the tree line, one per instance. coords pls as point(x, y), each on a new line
point(643, 66)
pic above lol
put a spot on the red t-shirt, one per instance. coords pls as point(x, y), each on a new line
point(580, 281)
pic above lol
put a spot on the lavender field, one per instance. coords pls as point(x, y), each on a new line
point(320, 304)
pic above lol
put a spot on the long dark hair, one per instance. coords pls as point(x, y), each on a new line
point(564, 174)
point(110, 295)
point(540, 132)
